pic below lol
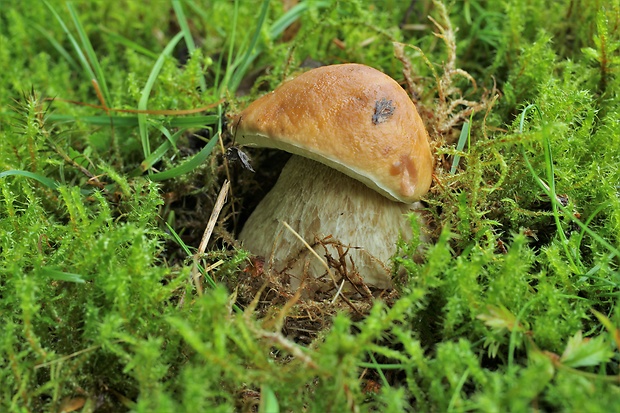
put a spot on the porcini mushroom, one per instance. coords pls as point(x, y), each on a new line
point(361, 158)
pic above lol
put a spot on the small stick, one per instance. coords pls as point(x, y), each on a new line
point(338, 292)
point(217, 208)
point(312, 251)
point(214, 266)
point(219, 204)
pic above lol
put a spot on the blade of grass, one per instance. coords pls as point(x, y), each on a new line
point(61, 275)
point(222, 81)
point(268, 400)
point(128, 43)
point(550, 169)
point(459, 147)
point(369, 365)
point(187, 35)
point(186, 249)
point(96, 120)
point(85, 65)
point(161, 151)
point(217, 90)
point(131, 121)
point(63, 52)
point(164, 131)
point(249, 54)
point(550, 187)
point(187, 122)
point(194, 121)
point(549, 190)
point(379, 369)
point(157, 154)
point(189, 40)
point(189, 165)
point(582, 233)
point(197, 10)
point(588, 220)
point(146, 92)
point(236, 69)
point(278, 27)
point(457, 392)
point(92, 56)
point(291, 16)
point(184, 123)
point(50, 183)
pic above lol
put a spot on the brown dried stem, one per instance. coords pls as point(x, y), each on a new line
point(445, 112)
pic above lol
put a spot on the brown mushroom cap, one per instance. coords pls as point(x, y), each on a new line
point(352, 118)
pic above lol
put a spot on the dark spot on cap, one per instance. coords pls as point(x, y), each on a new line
point(384, 109)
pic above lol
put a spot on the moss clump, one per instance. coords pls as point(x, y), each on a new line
point(105, 193)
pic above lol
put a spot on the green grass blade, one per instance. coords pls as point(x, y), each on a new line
point(549, 188)
point(589, 220)
point(268, 400)
point(288, 18)
point(50, 183)
point(185, 248)
point(369, 365)
point(181, 122)
point(189, 40)
point(457, 392)
point(550, 192)
point(167, 134)
point(179, 240)
point(196, 10)
point(187, 35)
point(156, 154)
point(194, 121)
point(277, 28)
point(218, 76)
point(459, 147)
point(379, 369)
point(61, 275)
point(550, 169)
point(61, 50)
point(568, 213)
point(96, 120)
point(249, 54)
point(92, 56)
point(146, 92)
point(189, 165)
point(85, 65)
point(222, 81)
point(238, 67)
point(128, 43)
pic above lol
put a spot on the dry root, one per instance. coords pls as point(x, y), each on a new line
point(450, 108)
point(303, 314)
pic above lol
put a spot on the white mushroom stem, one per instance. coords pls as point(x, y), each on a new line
point(320, 203)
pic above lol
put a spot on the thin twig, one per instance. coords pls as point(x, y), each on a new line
point(206, 236)
point(219, 204)
point(312, 251)
point(338, 292)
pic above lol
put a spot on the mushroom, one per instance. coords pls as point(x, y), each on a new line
point(361, 159)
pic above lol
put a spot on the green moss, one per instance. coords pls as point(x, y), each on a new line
point(103, 299)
